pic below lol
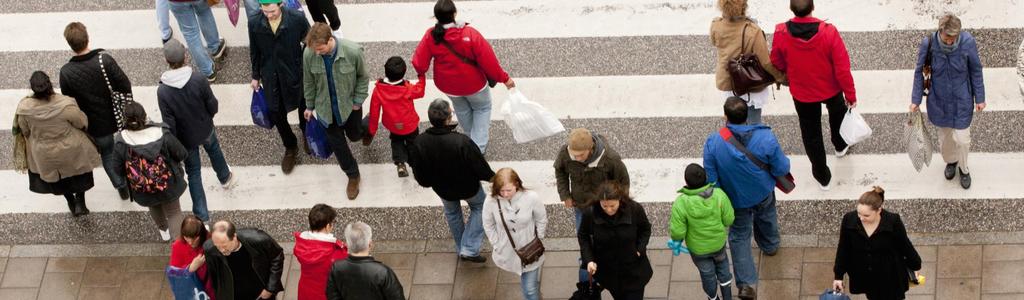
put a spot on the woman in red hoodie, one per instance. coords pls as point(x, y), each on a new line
point(464, 63)
point(187, 251)
point(316, 250)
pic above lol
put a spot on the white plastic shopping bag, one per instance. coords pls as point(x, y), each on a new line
point(528, 120)
point(854, 129)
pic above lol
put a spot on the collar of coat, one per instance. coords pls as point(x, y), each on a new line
point(264, 22)
point(623, 216)
point(87, 56)
point(886, 222)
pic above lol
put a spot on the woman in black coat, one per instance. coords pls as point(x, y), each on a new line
point(613, 240)
point(875, 251)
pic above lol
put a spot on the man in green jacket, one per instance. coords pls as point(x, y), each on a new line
point(701, 216)
point(334, 83)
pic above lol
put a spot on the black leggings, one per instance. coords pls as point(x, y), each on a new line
point(809, 115)
point(321, 8)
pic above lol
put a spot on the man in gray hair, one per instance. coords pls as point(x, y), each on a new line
point(948, 60)
point(360, 276)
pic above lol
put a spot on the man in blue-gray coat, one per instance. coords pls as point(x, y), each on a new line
point(950, 57)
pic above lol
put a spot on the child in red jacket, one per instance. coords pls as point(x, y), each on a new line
point(395, 95)
point(316, 250)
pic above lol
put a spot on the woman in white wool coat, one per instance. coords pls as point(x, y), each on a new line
point(526, 218)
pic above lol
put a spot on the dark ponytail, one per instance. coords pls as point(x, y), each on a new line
point(134, 116)
point(444, 12)
point(42, 88)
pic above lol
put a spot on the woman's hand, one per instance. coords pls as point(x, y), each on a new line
point(591, 268)
point(197, 263)
point(837, 285)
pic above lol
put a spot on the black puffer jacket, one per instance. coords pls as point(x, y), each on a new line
point(449, 162)
point(267, 261)
point(81, 78)
point(363, 278)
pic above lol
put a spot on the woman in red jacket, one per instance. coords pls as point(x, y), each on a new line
point(316, 250)
point(187, 251)
point(464, 63)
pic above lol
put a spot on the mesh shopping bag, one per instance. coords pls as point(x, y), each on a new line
point(919, 145)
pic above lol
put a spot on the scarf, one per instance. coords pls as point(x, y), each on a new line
point(947, 49)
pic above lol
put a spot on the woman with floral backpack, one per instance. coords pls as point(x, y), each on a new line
point(150, 158)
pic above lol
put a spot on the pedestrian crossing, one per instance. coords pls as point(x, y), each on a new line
point(638, 71)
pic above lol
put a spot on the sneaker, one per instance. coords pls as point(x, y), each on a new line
point(230, 183)
point(207, 225)
point(825, 187)
point(165, 235)
point(770, 253)
point(950, 171)
point(123, 192)
point(352, 190)
point(843, 153)
point(167, 39)
point(473, 259)
point(747, 293)
point(288, 161)
point(965, 180)
point(402, 170)
point(213, 77)
point(220, 50)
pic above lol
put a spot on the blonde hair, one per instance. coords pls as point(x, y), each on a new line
point(733, 8)
point(505, 176)
point(873, 198)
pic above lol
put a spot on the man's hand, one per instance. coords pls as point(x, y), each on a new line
point(980, 106)
point(914, 107)
point(255, 84)
point(567, 202)
point(837, 285)
point(356, 106)
point(266, 294)
point(591, 268)
point(308, 114)
point(851, 104)
point(510, 84)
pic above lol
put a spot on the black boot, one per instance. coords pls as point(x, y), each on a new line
point(70, 197)
point(80, 209)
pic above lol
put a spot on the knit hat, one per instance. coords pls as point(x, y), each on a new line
point(580, 139)
point(695, 176)
point(270, 1)
point(439, 112)
point(174, 51)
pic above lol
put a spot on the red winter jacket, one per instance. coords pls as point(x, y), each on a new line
point(396, 100)
point(818, 68)
point(181, 257)
point(316, 257)
point(451, 75)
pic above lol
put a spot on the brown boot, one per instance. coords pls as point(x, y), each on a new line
point(402, 170)
point(353, 188)
point(288, 161)
point(305, 145)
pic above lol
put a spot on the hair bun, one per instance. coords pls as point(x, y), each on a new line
point(878, 190)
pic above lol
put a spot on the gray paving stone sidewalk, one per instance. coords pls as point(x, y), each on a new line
point(961, 272)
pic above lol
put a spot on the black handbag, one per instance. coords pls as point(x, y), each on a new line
point(118, 99)
point(490, 82)
point(746, 71)
point(587, 291)
point(532, 251)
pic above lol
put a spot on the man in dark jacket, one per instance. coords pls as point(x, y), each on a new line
point(83, 78)
point(246, 264)
point(957, 90)
point(187, 105)
point(360, 276)
point(451, 164)
point(275, 49)
point(812, 54)
point(583, 165)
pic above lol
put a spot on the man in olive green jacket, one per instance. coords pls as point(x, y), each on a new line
point(335, 84)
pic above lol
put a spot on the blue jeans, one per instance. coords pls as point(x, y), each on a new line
point(467, 235)
point(474, 113)
point(714, 273)
point(763, 222)
point(252, 8)
point(106, 147)
point(753, 115)
point(193, 167)
point(530, 283)
point(195, 17)
point(163, 16)
point(583, 275)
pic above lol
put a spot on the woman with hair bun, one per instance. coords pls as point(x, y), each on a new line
point(875, 251)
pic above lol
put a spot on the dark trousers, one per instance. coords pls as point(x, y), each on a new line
point(279, 115)
point(336, 137)
point(400, 146)
point(319, 9)
point(809, 115)
point(627, 295)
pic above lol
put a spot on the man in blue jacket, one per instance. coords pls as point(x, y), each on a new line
point(950, 57)
point(750, 188)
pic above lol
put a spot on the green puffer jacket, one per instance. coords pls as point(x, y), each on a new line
point(701, 217)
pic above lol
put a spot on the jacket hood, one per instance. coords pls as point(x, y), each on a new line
point(697, 205)
point(806, 31)
point(44, 109)
point(176, 78)
point(598, 150)
point(453, 31)
point(391, 92)
point(311, 247)
point(147, 142)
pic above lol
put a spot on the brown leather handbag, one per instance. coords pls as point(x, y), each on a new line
point(532, 251)
point(746, 71)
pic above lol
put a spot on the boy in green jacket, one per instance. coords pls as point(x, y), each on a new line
point(701, 216)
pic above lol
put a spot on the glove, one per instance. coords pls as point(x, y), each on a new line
point(677, 247)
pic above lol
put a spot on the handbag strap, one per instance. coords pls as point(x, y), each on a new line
point(105, 77)
point(727, 135)
point(507, 233)
point(743, 37)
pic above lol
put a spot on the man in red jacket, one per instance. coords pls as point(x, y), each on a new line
point(395, 95)
point(812, 54)
point(316, 250)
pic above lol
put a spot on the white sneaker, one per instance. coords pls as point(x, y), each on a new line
point(825, 187)
point(338, 33)
point(843, 153)
point(230, 183)
point(165, 235)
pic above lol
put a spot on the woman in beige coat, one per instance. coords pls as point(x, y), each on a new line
point(731, 32)
point(59, 154)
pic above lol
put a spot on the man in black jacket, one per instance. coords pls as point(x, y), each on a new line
point(360, 276)
point(275, 51)
point(187, 105)
point(83, 78)
point(246, 264)
point(451, 164)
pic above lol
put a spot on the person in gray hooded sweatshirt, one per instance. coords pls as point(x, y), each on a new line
point(187, 105)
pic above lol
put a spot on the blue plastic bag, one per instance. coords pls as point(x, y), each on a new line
point(293, 4)
point(185, 284)
point(829, 294)
point(316, 136)
point(260, 112)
